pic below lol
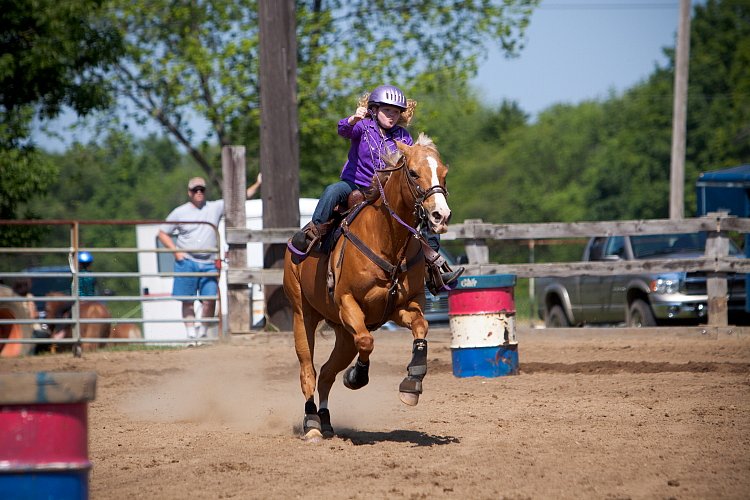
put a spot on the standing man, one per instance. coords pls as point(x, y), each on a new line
point(198, 237)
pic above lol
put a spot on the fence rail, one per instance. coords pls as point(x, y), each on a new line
point(476, 233)
point(72, 273)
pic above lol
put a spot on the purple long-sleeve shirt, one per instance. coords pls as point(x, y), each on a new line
point(368, 148)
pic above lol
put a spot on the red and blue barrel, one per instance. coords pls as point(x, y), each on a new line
point(482, 316)
point(44, 434)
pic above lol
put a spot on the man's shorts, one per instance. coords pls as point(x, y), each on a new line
point(189, 285)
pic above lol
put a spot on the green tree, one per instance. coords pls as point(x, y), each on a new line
point(118, 179)
point(200, 59)
point(53, 53)
point(610, 159)
point(719, 85)
point(630, 177)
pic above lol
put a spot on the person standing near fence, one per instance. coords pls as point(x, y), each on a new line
point(86, 282)
point(191, 242)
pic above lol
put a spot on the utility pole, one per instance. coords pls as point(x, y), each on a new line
point(679, 115)
point(279, 138)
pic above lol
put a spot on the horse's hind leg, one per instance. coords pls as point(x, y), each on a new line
point(342, 354)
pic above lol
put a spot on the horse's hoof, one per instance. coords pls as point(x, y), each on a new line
point(313, 436)
point(409, 398)
point(311, 428)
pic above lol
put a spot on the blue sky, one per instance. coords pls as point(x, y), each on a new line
point(581, 49)
point(575, 50)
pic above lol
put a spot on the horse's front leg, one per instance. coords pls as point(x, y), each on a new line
point(411, 387)
point(353, 318)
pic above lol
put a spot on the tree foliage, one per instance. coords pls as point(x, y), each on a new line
point(190, 59)
point(51, 51)
point(606, 159)
point(52, 54)
point(610, 159)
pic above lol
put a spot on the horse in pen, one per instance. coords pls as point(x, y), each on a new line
point(375, 273)
point(90, 311)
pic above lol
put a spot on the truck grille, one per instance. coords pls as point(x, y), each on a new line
point(695, 284)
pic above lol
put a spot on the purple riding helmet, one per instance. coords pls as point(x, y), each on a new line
point(387, 94)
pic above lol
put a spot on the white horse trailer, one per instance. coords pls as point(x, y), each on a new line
point(162, 319)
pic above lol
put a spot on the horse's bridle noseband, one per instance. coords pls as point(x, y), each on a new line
point(419, 194)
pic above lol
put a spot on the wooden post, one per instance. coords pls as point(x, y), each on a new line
point(476, 248)
point(679, 115)
point(717, 245)
point(279, 138)
point(237, 302)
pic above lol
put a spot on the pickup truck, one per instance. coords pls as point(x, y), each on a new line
point(636, 299)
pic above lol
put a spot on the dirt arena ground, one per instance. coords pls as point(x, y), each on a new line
point(600, 416)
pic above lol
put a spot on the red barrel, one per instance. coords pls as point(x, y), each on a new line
point(44, 437)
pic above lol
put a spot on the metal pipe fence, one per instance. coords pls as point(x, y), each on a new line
point(73, 273)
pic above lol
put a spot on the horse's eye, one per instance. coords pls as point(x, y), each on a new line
point(414, 174)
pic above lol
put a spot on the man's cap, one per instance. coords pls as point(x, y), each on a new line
point(195, 182)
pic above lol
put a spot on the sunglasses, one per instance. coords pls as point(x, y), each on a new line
point(198, 189)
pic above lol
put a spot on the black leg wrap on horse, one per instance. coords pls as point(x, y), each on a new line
point(418, 365)
point(417, 369)
point(325, 423)
point(310, 408)
point(357, 376)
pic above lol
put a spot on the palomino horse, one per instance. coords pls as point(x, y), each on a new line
point(375, 273)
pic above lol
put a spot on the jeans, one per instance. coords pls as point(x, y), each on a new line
point(335, 194)
point(433, 239)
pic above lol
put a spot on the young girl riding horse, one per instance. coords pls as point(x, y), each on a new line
point(373, 130)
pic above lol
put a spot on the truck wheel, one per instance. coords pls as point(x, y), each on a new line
point(556, 318)
point(639, 314)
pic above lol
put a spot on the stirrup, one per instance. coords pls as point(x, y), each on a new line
point(451, 277)
point(442, 278)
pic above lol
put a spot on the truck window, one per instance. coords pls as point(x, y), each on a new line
point(615, 247)
point(596, 251)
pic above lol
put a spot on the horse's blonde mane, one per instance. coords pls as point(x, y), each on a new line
point(424, 140)
point(391, 159)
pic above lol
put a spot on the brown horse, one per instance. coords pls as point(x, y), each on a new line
point(10, 311)
point(374, 273)
point(87, 310)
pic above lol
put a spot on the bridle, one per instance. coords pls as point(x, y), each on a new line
point(419, 194)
